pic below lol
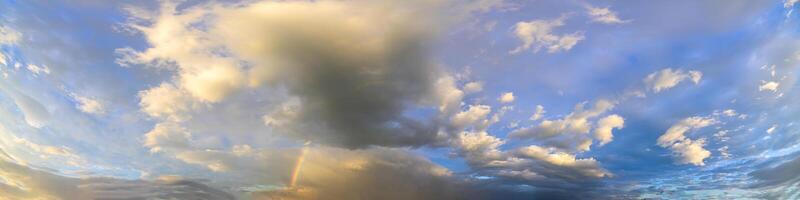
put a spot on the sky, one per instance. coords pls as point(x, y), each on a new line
point(418, 99)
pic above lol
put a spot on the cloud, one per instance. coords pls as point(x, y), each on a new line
point(690, 151)
point(569, 132)
point(769, 86)
point(9, 36)
point(476, 116)
point(687, 151)
point(353, 82)
point(35, 114)
point(507, 97)
point(539, 113)
point(89, 105)
point(37, 70)
point(603, 131)
point(668, 78)
point(538, 34)
point(473, 87)
point(166, 136)
point(22, 182)
point(166, 101)
point(604, 15)
point(585, 167)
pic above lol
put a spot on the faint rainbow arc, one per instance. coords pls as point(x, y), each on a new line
point(298, 165)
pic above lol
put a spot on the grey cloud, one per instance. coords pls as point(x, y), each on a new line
point(29, 183)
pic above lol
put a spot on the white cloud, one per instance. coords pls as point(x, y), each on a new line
point(575, 122)
point(473, 87)
point(89, 105)
point(687, 151)
point(539, 113)
point(769, 86)
point(476, 116)
point(603, 131)
point(668, 78)
point(604, 15)
point(167, 136)
point(538, 34)
point(690, 151)
point(38, 69)
point(587, 167)
point(9, 36)
point(166, 101)
point(507, 97)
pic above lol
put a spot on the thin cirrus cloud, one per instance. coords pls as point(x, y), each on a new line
point(483, 99)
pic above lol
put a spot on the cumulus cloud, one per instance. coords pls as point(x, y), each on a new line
point(507, 97)
point(604, 15)
point(539, 113)
point(769, 86)
point(585, 167)
point(668, 78)
point(690, 151)
point(687, 151)
point(603, 131)
point(353, 81)
point(167, 135)
point(166, 101)
point(89, 105)
point(538, 34)
point(570, 132)
point(473, 87)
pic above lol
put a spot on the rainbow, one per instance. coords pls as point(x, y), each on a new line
point(298, 165)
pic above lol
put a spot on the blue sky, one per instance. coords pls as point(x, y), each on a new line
point(484, 99)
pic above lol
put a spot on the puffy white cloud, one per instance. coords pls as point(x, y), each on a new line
point(690, 151)
point(539, 113)
point(479, 148)
point(89, 105)
point(676, 132)
point(473, 87)
point(166, 101)
point(538, 34)
point(603, 131)
point(576, 122)
point(507, 97)
point(586, 167)
point(769, 86)
point(475, 116)
point(686, 150)
point(604, 15)
point(167, 136)
point(668, 78)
